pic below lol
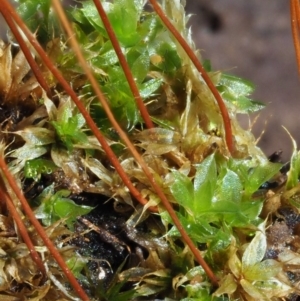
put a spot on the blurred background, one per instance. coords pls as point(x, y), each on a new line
point(252, 40)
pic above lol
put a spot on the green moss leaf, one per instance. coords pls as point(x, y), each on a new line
point(199, 230)
point(204, 184)
point(140, 67)
point(68, 125)
point(236, 85)
point(106, 57)
point(149, 87)
point(121, 101)
point(66, 208)
point(36, 136)
point(76, 264)
point(231, 187)
point(229, 212)
point(183, 190)
point(273, 288)
point(259, 175)
point(149, 28)
point(252, 210)
point(294, 172)
point(70, 132)
point(235, 90)
point(56, 206)
point(35, 168)
point(254, 292)
point(227, 286)
point(263, 271)
point(169, 60)
point(38, 15)
point(123, 15)
point(89, 13)
point(256, 249)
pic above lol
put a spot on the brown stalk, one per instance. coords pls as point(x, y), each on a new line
point(33, 65)
point(40, 230)
point(128, 143)
point(295, 24)
point(134, 89)
point(21, 228)
point(199, 67)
